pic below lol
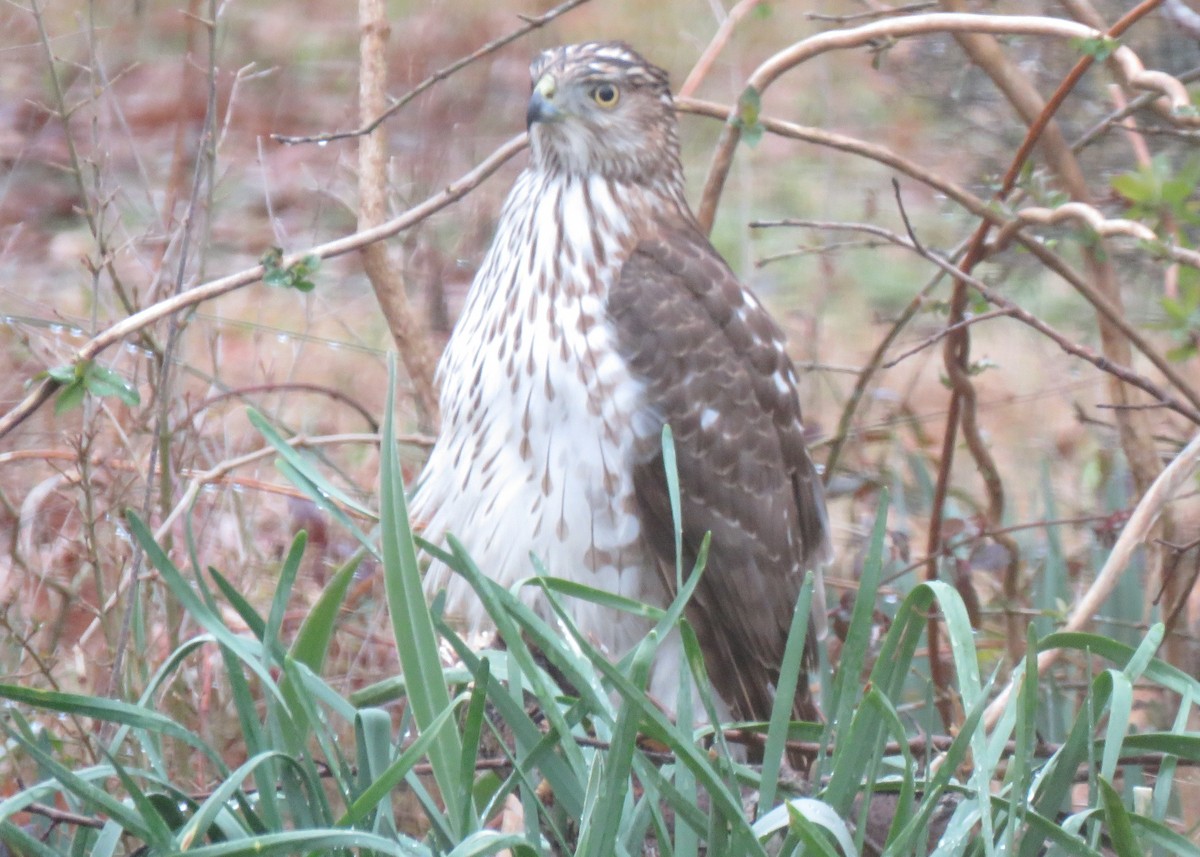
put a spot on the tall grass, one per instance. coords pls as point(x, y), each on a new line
point(576, 772)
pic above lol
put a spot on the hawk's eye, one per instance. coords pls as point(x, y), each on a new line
point(606, 95)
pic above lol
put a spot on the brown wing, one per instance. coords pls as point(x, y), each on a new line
point(717, 372)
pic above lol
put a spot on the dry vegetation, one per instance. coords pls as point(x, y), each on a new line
point(141, 160)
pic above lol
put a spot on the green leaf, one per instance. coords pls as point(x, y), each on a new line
point(1120, 830)
point(70, 397)
point(749, 111)
point(412, 626)
point(63, 374)
point(111, 710)
point(102, 381)
point(1098, 48)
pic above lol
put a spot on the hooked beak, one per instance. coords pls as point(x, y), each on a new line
point(541, 103)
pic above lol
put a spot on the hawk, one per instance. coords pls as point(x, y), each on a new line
point(600, 314)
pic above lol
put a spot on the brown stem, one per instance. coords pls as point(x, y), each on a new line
point(215, 288)
point(438, 76)
point(412, 340)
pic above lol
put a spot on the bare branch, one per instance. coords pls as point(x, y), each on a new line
point(215, 288)
point(410, 336)
point(438, 76)
point(1173, 477)
point(1173, 102)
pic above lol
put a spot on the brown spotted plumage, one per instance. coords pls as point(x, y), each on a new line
point(601, 313)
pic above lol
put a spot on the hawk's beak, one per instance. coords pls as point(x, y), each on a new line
point(541, 103)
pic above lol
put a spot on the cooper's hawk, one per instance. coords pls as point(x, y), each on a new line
point(600, 313)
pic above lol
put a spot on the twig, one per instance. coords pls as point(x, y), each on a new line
point(1166, 87)
point(977, 207)
point(1074, 349)
point(872, 15)
point(719, 40)
point(297, 386)
point(410, 335)
point(1174, 476)
point(215, 288)
point(220, 473)
point(942, 334)
point(438, 76)
point(1135, 104)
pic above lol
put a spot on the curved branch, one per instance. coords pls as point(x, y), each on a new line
point(976, 207)
point(1162, 491)
point(1173, 99)
point(215, 288)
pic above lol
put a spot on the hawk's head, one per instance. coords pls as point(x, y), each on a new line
point(600, 108)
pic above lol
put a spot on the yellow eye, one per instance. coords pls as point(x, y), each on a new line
point(606, 95)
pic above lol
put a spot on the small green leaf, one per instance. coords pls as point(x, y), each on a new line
point(1182, 352)
point(277, 277)
point(270, 259)
point(70, 397)
point(1098, 48)
point(102, 381)
point(63, 374)
point(749, 111)
point(1133, 187)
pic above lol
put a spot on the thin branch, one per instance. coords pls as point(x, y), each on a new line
point(243, 392)
point(1166, 87)
point(975, 206)
point(871, 15)
point(943, 333)
point(383, 272)
point(719, 40)
point(531, 24)
point(215, 288)
point(1025, 317)
point(1173, 477)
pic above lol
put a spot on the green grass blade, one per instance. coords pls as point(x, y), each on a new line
point(316, 485)
point(561, 776)
point(1156, 833)
point(604, 829)
point(1120, 654)
point(81, 789)
point(473, 726)
point(248, 652)
point(412, 626)
point(485, 842)
point(272, 645)
point(311, 643)
point(218, 799)
point(1116, 817)
point(109, 710)
point(846, 684)
point(238, 602)
point(20, 843)
point(320, 840)
point(789, 678)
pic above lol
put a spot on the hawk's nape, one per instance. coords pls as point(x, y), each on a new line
point(600, 313)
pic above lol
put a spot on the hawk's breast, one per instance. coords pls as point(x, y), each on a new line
point(542, 415)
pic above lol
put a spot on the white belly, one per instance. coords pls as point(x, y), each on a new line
point(536, 450)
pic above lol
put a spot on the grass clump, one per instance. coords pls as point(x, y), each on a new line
point(547, 747)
